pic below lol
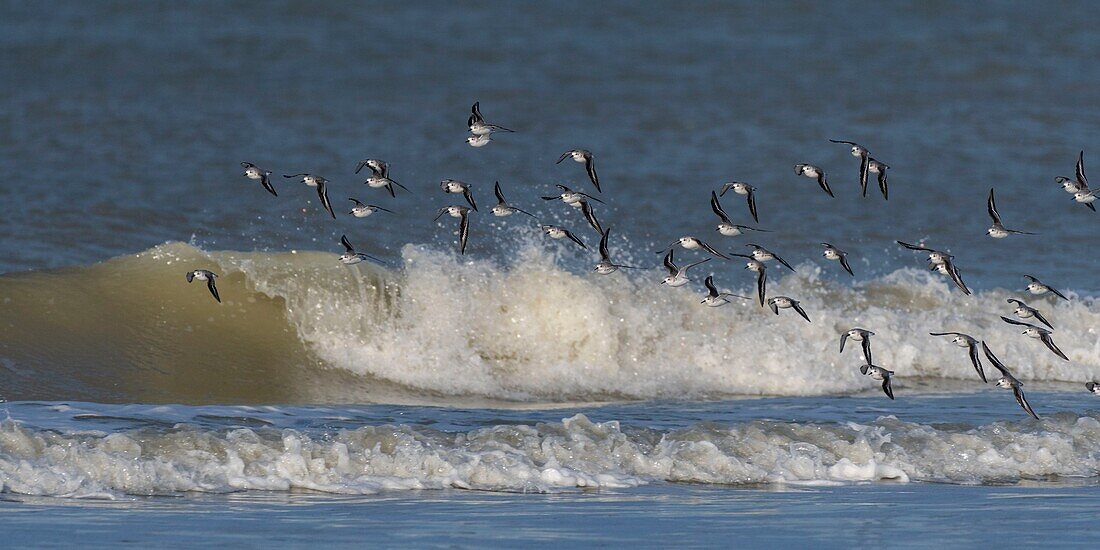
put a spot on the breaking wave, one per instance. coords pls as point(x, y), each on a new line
point(300, 327)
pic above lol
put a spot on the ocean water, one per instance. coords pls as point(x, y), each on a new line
point(510, 395)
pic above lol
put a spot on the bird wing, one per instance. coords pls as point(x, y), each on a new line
point(752, 205)
point(1040, 317)
point(1023, 401)
point(469, 197)
point(1056, 293)
point(798, 307)
point(564, 156)
point(843, 339)
point(977, 361)
point(499, 193)
point(997, 364)
point(669, 265)
point(463, 231)
point(761, 285)
point(213, 288)
point(574, 238)
point(1015, 322)
point(1080, 170)
point(863, 173)
point(882, 185)
point(266, 182)
point(603, 245)
point(957, 278)
point(886, 387)
point(775, 308)
point(991, 206)
point(322, 192)
point(709, 283)
point(1049, 341)
point(782, 261)
point(867, 348)
point(590, 216)
point(823, 183)
point(590, 167)
point(717, 208)
point(711, 249)
point(914, 247)
point(844, 264)
point(347, 244)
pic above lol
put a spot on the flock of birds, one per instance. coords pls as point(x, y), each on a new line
point(755, 261)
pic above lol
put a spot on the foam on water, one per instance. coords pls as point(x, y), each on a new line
point(548, 457)
point(444, 325)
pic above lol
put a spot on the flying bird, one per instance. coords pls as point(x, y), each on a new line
point(555, 232)
point(585, 157)
point(502, 207)
point(350, 256)
point(971, 344)
point(998, 230)
point(861, 335)
point(361, 210)
point(1038, 288)
point(478, 126)
point(677, 276)
point(1039, 333)
point(463, 215)
point(321, 184)
point(714, 298)
point(1025, 311)
point(606, 266)
point(208, 276)
point(811, 171)
point(837, 255)
point(742, 188)
point(863, 155)
point(1008, 381)
point(783, 302)
point(380, 176)
point(726, 226)
point(253, 172)
point(879, 373)
point(456, 187)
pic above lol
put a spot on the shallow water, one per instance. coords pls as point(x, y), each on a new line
point(321, 402)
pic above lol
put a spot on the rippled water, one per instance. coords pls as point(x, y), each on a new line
point(122, 126)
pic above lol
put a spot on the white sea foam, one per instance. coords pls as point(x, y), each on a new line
point(575, 453)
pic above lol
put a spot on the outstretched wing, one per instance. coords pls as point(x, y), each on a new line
point(1049, 341)
point(1023, 401)
point(347, 244)
point(590, 167)
point(669, 265)
point(991, 206)
point(463, 231)
point(997, 364)
point(761, 285)
point(717, 208)
point(1080, 170)
point(798, 307)
point(499, 193)
point(213, 288)
point(973, 350)
point(322, 192)
point(844, 264)
point(886, 388)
